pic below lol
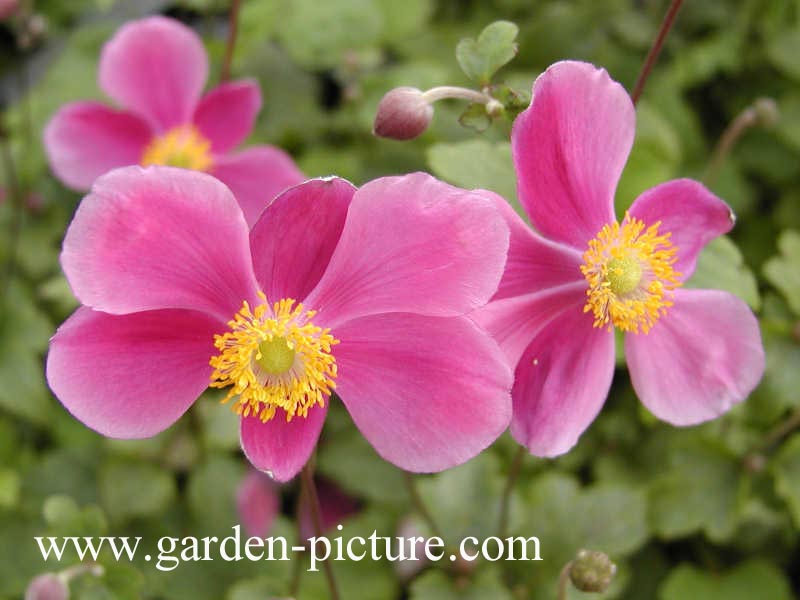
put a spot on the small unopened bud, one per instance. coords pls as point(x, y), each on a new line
point(767, 111)
point(47, 586)
point(592, 571)
point(403, 114)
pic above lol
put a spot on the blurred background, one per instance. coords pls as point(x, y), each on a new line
point(705, 512)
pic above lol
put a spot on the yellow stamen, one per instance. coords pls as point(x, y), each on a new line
point(630, 275)
point(274, 359)
point(183, 146)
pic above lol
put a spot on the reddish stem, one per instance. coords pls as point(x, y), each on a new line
point(233, 28)
point(655, 50)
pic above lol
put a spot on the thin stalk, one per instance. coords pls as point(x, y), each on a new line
point(744, 121)
point(233, 30)
point(655, 49)
point(310, 488)
point(450, 91)
point(505, 501)
point(781, 430)
point(563, 581)
point(419, 505)
point(294, 585)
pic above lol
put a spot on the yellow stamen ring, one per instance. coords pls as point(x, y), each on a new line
point(183, 146)
point(630, 273)
point(275, 359)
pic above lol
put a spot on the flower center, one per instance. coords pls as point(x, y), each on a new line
point(274, 357)
point(183, 146)
point(630, 275)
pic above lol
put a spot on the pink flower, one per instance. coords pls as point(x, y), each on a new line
point(364, 291)
point(258, 504)
point(692, 354)
point(155, 69)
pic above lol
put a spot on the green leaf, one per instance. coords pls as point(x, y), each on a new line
point(476, 164)
point(566, 517)
point(320, 35)
point(654, 158)
point(64, 517)
point(220, 423)
point(701, 489)
point(349, 460)
point(749, 580)
point(25, 331)
point(785, 469)
point(212, 494)
point(783, 271)
point(435, 585)
point(9, 488)
point(474, 509)
point(783, 49)
point(475, 117)
point(721, 267)
point(131, 489)
point(480, 59)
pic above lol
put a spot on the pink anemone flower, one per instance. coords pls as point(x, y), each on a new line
point(691, 353)
point(362, 291)
point(155, 69)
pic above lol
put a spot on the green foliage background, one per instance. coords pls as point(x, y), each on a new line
point(705, 512)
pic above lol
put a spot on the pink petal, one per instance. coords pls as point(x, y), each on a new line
point(690, 212)
point(258, 503)
point(561, 383)
point(513, 322)
point(428, 393)
point(226, 114)
point(280, 448)
point(256, 176)
point(533, 263)
point(131, 376)
point(155, 67)
point(569, 149)
point(413, 244)
point(159, 237)
point(296, 235)
point(701, 358)
point(83, 140)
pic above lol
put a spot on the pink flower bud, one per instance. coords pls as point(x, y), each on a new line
point(47, 586)
point(403, 114)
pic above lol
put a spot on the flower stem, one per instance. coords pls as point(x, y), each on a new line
point(233, 29)
point(743, 121)
point(781, 430)
point(505, 501)
point(450, 91)
point(297, 570)
point(655, 49)
point(563, 581)
point(416, 500)
point(310, 489)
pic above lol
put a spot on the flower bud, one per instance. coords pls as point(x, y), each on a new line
point(403, 114)
point(767, 111)
point(592, 571)
point(47, 586)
